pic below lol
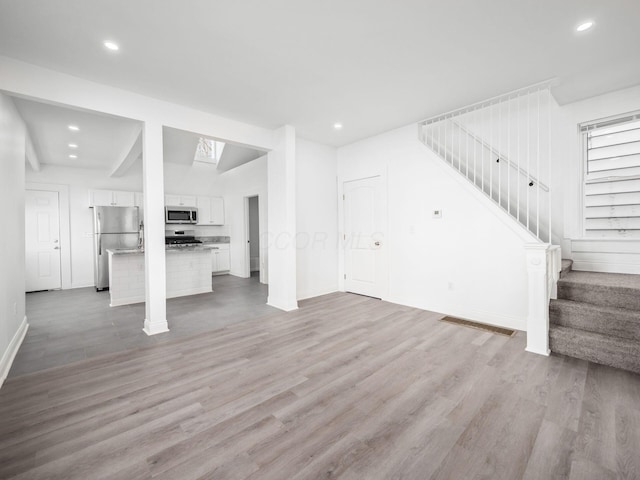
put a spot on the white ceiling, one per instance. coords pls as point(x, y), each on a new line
point(233, 156)
point(369, 65)
point(179, 147)
point(102, 139)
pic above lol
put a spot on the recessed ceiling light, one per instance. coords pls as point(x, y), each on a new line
point(73, 128)
point(337, 126)
point(111, 46)
point(73, 156)
point(584, 26)
point(73, 145)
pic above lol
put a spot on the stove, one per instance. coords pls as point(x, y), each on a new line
point(181, 241)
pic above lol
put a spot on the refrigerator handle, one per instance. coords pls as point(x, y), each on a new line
point(99, 235)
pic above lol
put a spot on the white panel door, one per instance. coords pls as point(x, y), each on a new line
point(363, 246)
point(42, 241)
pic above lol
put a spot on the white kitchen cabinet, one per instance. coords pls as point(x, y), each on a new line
point(210, 211)
point(204, 210)
point(124, 199)
point(220, 258)
point(180, 200)
point(114, 198)
point(217, 211)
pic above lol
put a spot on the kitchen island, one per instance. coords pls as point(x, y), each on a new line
point(188, 273)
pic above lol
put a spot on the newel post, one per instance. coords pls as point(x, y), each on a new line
point(538, 315)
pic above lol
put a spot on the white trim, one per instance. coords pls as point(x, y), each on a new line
point(246, 270)
point(64, 221)
point(319, 293)
point(475, 315)
point(12, 349)
point(544, 352)
point(153, 328)
point(282, 305)
point(247, 232)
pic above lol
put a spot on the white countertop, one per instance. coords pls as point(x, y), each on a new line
point(136, 251)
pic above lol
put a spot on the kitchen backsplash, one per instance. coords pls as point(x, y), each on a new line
point(215, 239)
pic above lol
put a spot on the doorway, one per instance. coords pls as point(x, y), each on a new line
point(364, 237)
point(42, 241)
point(253, 235)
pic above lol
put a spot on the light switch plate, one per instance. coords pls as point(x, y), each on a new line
point(437, 214)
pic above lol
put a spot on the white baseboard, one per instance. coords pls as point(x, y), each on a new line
point(482, 316)
point(319, 293)
point(282, 305)
point(11, 351)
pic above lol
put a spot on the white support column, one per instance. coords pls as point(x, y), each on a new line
point(281, 218)
point(154, 255)
point(538, 316)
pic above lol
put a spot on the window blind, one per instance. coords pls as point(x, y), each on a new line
point(612, 177)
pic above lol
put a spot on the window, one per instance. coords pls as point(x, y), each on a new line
point(612, 177)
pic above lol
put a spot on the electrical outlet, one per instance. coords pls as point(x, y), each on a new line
point(437, 214)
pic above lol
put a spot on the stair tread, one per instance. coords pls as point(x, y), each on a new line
point(600, 279)
point(614, 311)
point(596, 336)
point(566, 263)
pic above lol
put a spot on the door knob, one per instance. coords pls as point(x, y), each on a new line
point(56, 248)
point(55, 241)
point(377, 244)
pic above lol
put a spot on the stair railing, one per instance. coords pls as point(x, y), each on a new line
point(503, 146)
point(501, 157)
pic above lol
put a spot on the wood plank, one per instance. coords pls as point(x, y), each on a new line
point(345, 387)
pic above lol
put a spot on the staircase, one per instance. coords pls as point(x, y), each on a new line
point(596, 317)
point(503, 147)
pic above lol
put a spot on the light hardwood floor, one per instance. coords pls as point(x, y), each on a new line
point(346, 387)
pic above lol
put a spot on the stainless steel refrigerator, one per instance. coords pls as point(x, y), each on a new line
point(113, 227)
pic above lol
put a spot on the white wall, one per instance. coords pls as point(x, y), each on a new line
point(317, 219)
point(13, 325)
point(600, 255)
point(469, 263)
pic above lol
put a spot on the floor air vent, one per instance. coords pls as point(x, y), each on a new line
point(480, 326)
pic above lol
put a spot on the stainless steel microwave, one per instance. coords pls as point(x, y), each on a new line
point(182, 215)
